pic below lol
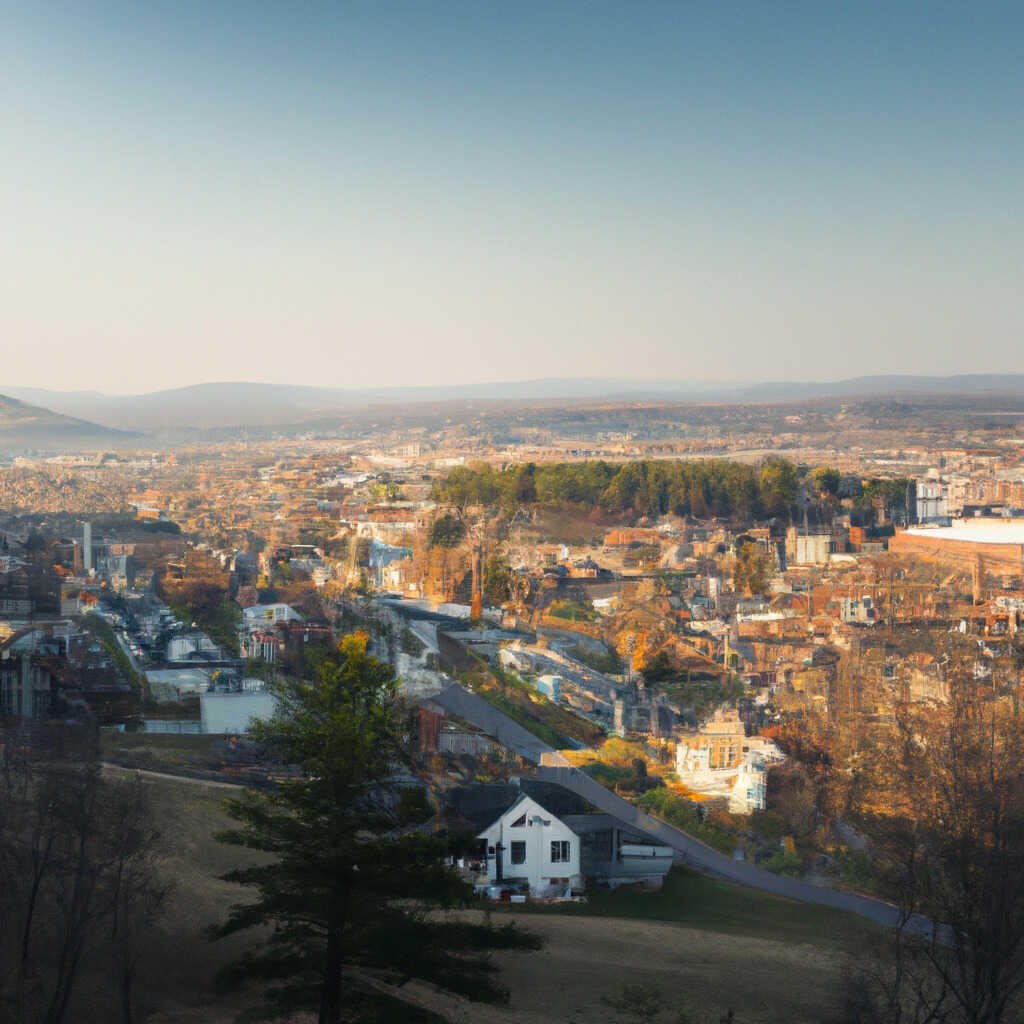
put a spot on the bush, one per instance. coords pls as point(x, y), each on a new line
point(411, 644)
point(783, 863)
point(685, 815)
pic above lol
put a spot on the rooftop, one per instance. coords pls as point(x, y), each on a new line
point(977, 531)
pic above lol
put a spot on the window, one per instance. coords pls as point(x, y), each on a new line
point(520, 822)
point(559, 851)
point(519, 853)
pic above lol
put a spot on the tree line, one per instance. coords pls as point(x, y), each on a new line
point(715, 488)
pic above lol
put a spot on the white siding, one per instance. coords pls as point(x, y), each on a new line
point(539, 831)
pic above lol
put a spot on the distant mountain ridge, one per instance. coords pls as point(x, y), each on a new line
point(24, 426)
point(217, 405)
point(884, 384)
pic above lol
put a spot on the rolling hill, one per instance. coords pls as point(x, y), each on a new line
point(24, 426)
point(240, 404)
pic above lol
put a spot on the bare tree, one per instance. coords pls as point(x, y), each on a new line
point(78, 878)
point(942, 797)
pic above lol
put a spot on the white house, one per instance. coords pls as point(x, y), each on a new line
point(528, 843)
point(260, 615)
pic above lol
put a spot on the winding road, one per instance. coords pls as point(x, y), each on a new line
point(553, 767)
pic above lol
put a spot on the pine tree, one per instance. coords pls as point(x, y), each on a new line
point(350, 888)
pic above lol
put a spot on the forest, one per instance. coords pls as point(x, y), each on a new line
point(714, 488)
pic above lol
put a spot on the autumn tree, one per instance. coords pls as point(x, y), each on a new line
point(825, 480)
point(497, 580)
point(752, 569)
point(447, 531)
point(778, 482)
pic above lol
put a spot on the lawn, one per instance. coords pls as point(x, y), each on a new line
point(710, 904)
point(194, 750)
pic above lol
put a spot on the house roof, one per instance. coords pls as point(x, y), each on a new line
point(520, 799)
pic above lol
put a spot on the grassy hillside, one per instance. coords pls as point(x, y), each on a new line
point(706, 945)
point(27, 426)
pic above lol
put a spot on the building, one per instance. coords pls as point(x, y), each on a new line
point(804, 548)
point(859, 610)
point(720, 760)
point(87, 546)
point(260, 644)
point(26, 688)
point(998, 543)
point(192, 647)
point(932, 506)
point(551, 686)
point(263, 614)
point(615, 854)
point(528, 844)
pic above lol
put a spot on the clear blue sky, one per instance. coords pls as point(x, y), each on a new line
point(360, 193)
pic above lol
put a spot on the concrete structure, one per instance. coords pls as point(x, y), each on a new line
point(25, 688)
point(932, 506)
point(860, 610)
point(527, 843)
point(87, 546)
point(175, 683)
point(232, 713)
point(192, 647)
point(807, 548)
point(260, 644)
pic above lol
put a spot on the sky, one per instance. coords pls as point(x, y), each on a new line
point(357, 194)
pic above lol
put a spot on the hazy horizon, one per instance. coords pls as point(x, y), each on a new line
point(575, 387)
point(422, 194)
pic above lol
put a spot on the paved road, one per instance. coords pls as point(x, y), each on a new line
point(702, 857)
point(128, 652)
point(553, 767)
point(505, 730)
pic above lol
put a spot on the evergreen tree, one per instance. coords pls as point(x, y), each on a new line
point(350, 885)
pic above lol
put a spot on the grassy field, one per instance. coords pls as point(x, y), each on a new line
point(158, 749)
point(699, 901)
point(700, 976)
point(707, 945)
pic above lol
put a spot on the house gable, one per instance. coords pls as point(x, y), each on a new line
point(528, 843)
